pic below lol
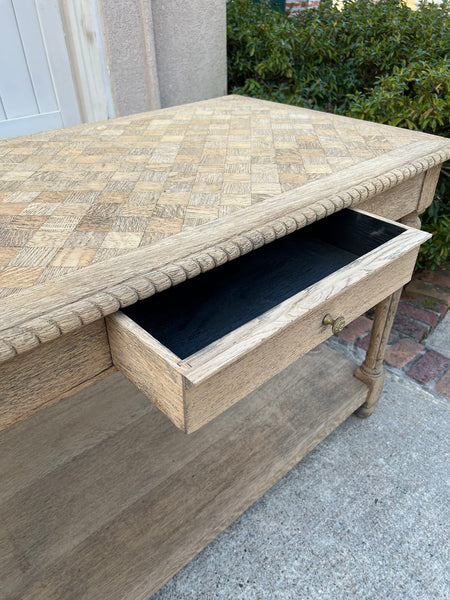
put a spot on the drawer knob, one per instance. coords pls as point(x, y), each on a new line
point(337, 324)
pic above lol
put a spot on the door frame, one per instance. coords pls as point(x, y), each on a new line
point(85, 45)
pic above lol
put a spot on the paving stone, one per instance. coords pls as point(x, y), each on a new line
point(426, 302)
point(363, 343)
point(418, 314)
point(403, 352)
point(443, 385)
point(437, 278)
point(410, 328)
point(430, 366)
point(355, 329)
point(427, 289)
point(439, 340)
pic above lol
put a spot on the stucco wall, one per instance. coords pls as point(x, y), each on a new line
point(190, 42)
point(132, 64)
point(164, 52)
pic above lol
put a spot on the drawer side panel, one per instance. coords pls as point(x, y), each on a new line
point(147, 368)
point(396, 202)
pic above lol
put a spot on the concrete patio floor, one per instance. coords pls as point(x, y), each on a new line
point(365, 515)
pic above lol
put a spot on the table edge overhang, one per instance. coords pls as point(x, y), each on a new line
point(47, 311)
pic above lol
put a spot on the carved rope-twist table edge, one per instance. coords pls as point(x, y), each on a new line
point(17, 340)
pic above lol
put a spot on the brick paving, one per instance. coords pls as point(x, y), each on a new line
point(411, 327)
point(424, 288)
point(418, 314)
point(403, 352)
point(429, 367)
point(443, 385)
point(424, 303)
point(356, 329)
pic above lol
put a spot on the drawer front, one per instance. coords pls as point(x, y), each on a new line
point(238, 378)
point(194, 389)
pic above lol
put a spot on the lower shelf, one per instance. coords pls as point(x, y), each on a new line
point(102, 497)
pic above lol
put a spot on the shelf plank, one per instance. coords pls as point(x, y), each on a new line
point(122, 517)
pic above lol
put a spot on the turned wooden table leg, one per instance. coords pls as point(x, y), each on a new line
point(412, 220)
point(372, 371)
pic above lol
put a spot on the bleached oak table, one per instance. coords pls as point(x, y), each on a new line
point(205, 251)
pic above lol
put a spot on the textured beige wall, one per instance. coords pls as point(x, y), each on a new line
point(164, 52)
point(190, 41)
point(128, 34)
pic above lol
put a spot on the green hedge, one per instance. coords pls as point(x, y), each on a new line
point(377, 61)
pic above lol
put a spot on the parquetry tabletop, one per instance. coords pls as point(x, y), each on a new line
point(81, 195)
point(73, 198)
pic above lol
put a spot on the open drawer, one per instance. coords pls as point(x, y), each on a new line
point(199, 347)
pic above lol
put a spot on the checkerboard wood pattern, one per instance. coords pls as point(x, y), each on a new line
point(74, 197)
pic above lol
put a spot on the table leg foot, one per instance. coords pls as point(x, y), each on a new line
point(375, 383)
point(371, 372)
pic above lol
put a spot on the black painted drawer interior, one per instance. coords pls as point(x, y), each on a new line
point(197, 312)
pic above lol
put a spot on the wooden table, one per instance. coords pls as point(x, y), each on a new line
point(101, 496)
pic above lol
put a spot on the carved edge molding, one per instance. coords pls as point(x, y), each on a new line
point(53, 324)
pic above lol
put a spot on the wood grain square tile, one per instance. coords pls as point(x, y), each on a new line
point(149, 186)
point(201, 212)
point(8, 254)
point(209, 188)
point(51, 197)
point(28, 221)
point(238, 188)
point(73, 257)
point(82, 197)
point(112, 198)
point(169, 211)
point(50, 239)
point(180, 198)
point(132, 223)
point(40, 209)
point(10, 209)
point(71, 210)
point(204, 198)
point(90, 186)
point(236, 200)
point(21, 197)
point(85, 239)
point(95, 223)
point(154, 175)
point(125, 176)
point(116, 239)
point(61, 223)
point(19, 277)
point(26, 151)
point(33, 257)
point(53, 273)
point(16, 176)
point(107, 253)
point(14, 237)
point(164, 226)
point(119, 186)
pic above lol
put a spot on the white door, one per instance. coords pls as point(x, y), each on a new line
point(36, 85)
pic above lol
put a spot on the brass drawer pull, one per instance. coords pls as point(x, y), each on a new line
point(337, 324)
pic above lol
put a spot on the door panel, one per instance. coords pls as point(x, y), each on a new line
point(36, 85)
point(15, 81)
point(35, 53)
